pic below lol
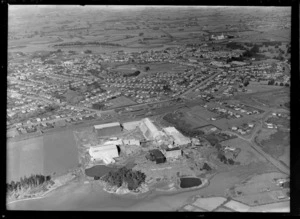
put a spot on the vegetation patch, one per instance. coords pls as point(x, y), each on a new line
point(132, 178)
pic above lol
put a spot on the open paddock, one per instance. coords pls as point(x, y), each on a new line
point(24, 158)
point(254, 87)
point(194, 120)
point(202, 112)
point(257, 199)
point(121, 101)
point(276, 143)
point(247, 155)
point(208, 129)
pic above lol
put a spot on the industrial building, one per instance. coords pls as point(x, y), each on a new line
point(108, 129)
point(173, 153)
point(131, 125)
point(131, 142)
point(149, 130)
point(179, 139)
point(106, 153)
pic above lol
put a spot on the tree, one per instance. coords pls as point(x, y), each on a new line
point(246, 82)
point(271, 82)
point(255, 49)
point(206, 167)
point(230, 161)
point(88, 51)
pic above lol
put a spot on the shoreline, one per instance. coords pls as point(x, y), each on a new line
point(43, 195)
point(37, 197)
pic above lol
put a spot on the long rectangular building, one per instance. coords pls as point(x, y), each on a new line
point(149, 130)
point(108, 129)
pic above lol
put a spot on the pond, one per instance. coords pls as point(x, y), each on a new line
point(98, 170)
point(189, 182)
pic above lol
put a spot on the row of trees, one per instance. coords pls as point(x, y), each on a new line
point(272, 82)
point(132, 178)
point(28, 182)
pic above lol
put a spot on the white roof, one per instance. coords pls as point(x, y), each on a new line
point(178, 137)
point(150, 125)
point(101, 126)
point(113, 142)
point(101, 152)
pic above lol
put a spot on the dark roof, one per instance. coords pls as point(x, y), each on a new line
point(173, 149)
point(157, 153)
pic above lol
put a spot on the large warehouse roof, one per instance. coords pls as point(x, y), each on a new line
point(178, 137)
point(150, 125)
point(107, 125)
point(105, 153)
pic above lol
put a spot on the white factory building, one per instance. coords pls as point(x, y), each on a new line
point(179, 139)
point(108, 129)
point(106, 153)
point(131, 142)
point(131, 125)
point(149, 130)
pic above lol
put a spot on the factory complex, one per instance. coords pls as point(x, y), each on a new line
point(117, 139)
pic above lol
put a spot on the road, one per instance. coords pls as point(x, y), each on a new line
point(256, 147)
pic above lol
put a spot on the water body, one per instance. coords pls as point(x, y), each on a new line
point(98, 170)
point(189, 182)
point(78, 196)
point(85, 197)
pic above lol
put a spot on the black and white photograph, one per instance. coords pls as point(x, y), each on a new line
point(148, 108)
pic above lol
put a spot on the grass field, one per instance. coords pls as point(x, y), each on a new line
point(275, 145)
point(55, 152)
point(254, 87)
point(24, 158)
point(121, 101)
point(60, 152)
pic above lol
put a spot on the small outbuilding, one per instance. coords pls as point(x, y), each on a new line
point(156, 155)
point(173, 153)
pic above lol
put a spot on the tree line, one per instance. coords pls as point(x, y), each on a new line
point(28, 182)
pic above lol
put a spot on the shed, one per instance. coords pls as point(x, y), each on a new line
point(157, 155)
point(173, 153)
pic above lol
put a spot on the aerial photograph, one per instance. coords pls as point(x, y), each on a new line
point(148, 108)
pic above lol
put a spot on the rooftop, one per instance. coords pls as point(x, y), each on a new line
point(107, 125)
